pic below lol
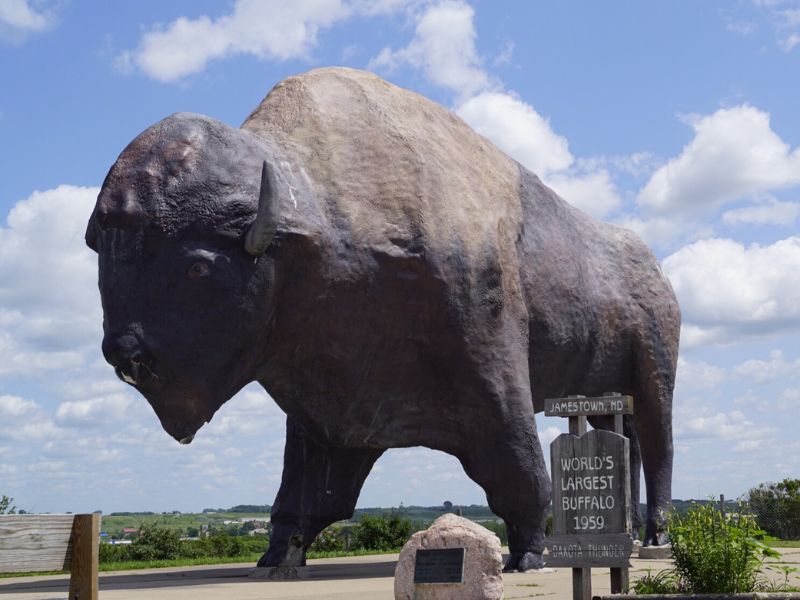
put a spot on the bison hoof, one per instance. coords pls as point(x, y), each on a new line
point(523, 561)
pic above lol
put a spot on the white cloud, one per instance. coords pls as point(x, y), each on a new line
point(762, 371)
point(14, 406)
point(518, 130)
point(443, 47)
point(790, 42)
point(265, 29)
point(698, 375)
point(789, 399)
point(594, 192)
point(735, 154)
point(250, 412)
point(18, 19)
point(700, 422)
point(94, 411)
point(547, 435)
point(49, 306)
point(728, 291)
point(768, 212)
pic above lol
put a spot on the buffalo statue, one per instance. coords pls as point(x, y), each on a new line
point(392, 280)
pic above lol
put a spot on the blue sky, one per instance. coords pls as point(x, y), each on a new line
point(676, 119)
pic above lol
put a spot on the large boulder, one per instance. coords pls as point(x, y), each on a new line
point(482, 562)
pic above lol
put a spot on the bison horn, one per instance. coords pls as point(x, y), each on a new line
point(263, 229)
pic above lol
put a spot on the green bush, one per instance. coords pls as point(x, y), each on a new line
point(715, 553)
point(328, 540)
point(155, 542)
point(114, 553)
point(381, 533)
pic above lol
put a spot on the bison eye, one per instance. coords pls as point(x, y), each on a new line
point(198, 269)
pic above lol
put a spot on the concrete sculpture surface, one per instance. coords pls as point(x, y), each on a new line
point(392, 279)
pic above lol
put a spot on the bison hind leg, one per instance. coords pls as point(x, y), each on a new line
point(514, 476)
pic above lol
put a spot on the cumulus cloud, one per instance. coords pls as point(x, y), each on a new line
point(14, 406)
point(250, 412)
point(23, 420)
point(698, 375)
point(18, 19)
point(49, 305)
point(728, 290)
point(696, 423)
point(762, 371)
point(517, 129)
point(734, 154)
point(768, 212)
point(95, 411)
point(265, 29)
point(443, 47)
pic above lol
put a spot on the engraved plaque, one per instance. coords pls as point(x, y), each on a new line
point(441, 565)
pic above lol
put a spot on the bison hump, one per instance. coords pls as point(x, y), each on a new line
point(393, 167)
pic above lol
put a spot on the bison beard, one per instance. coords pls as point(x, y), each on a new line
point(392, 280)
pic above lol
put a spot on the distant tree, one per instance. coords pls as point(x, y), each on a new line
point(249, 508)
point(448, 506)
point(6, 508)
point(776, 507)
point(192, 532)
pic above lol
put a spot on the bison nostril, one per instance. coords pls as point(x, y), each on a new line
point(125, 353)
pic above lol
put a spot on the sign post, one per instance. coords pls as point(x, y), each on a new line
point(591, 493)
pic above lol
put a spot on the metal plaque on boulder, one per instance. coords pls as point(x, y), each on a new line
point(442, 565)
point(591, 500)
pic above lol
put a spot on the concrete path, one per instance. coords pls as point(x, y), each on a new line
point(351, 578)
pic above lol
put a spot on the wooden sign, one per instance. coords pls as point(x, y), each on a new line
point(591, 500)
point(589, 550)
point(440, 565)
point(580, 405)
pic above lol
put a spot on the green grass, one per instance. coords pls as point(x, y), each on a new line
point(783, 543)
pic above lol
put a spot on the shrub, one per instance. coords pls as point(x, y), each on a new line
point(328, 540)
point(156, 542)
point(381, 533)
point(715, 553)
point(114, 553)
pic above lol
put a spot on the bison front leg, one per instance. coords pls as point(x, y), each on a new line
point(320, 486)
point(512, 472)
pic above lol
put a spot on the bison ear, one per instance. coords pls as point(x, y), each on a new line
point(263, 229)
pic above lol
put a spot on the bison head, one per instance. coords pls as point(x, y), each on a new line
point(182, 228)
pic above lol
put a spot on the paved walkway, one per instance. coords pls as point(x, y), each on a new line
point(351, 578)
